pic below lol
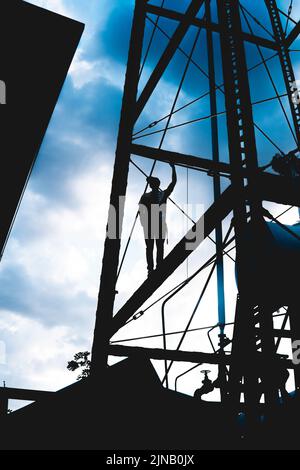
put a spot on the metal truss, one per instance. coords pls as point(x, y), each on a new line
point(286, 64)
point(249, 187)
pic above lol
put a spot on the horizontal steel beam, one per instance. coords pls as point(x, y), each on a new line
point(23, 394)
point(293, 35)
point(279, 333)
point(177, 356)
point(273, 188)
point(167, 354)
point(198, 233)
point(189, 161)
point(174, 15)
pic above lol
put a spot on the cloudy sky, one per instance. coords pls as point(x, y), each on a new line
point(49, 274)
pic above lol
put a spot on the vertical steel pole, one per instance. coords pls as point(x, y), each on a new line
point(112, 245)
point(217, 188)
point(242, 151)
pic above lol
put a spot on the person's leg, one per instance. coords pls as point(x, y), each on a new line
point(149, 254)
point(159, 251)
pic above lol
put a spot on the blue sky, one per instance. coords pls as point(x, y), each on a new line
point(50, 271)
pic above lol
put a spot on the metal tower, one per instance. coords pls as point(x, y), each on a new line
point(254, 334)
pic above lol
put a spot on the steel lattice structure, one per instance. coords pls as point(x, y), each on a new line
point(254, 332)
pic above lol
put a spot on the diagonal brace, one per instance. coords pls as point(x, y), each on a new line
point(196, 235)
point(167, 55)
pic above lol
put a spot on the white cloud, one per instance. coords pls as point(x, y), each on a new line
point(60, 257)
point(58, 6)
point(36, 356)
point(64, 243)
point(84, 72)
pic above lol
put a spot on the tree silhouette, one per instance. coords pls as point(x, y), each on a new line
point(81, 361)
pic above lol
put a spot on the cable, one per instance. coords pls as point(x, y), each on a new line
point(169, 127)
point(184, 333)
point(256, 21)
point(159, 335)
point(284, 212)
point(203, 118)
point(268, 138)
point(195, 308)
point(181, 83)
point(288, 17)
point(191, 318)
point(182, 283)
point(259, 64)
point(185, 282)
point(192, 121)
point(154, 123)
point(177, 206)
point(184, 53)
point(220, 87)
point(168, 367)
point(284, 227)
point(151, 40)
point(180, 332)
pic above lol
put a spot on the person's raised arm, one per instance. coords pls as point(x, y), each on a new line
point(171, 186)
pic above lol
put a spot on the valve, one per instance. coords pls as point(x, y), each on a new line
point(207, 386)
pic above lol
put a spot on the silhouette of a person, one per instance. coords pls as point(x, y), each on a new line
point(152, 211)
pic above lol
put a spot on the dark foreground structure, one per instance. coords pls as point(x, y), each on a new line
point(127, 406)
point(144, 416)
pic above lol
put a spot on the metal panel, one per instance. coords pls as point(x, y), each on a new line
point(33, 66)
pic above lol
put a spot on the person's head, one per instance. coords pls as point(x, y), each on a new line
point(153, 182)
